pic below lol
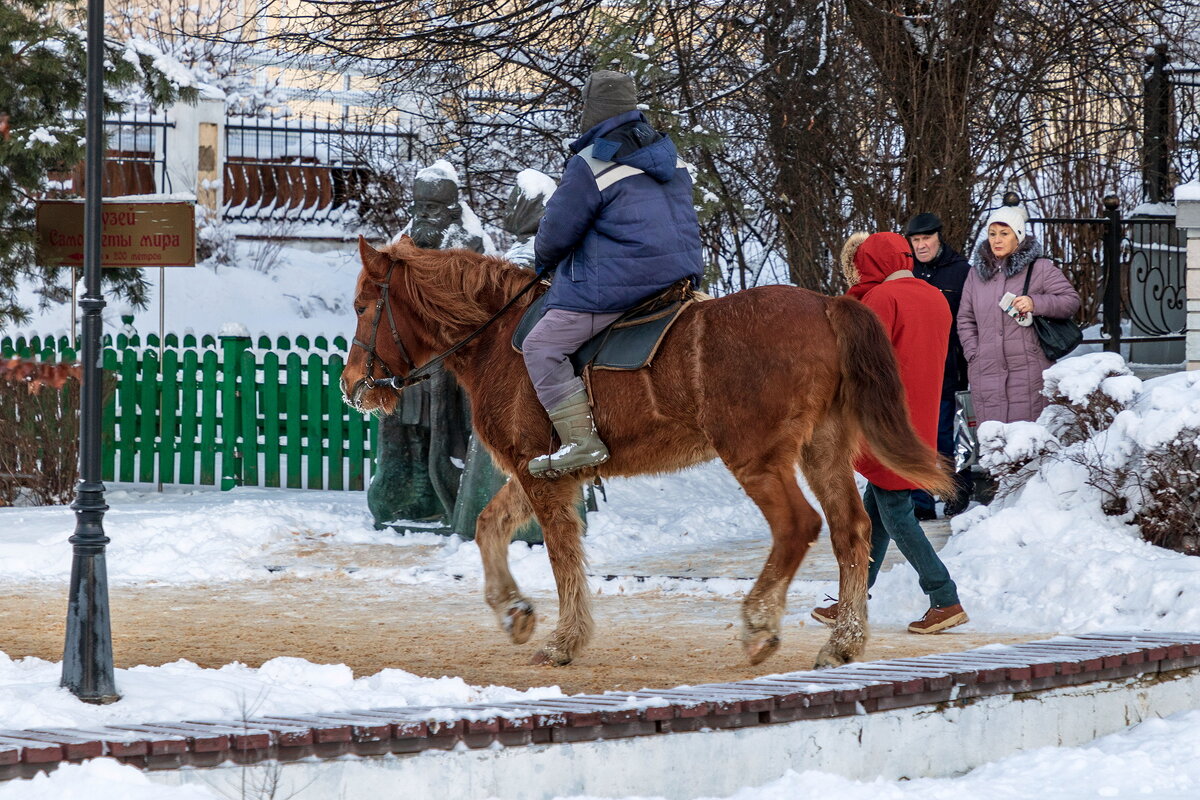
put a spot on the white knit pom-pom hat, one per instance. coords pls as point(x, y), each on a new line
point(1012, 216)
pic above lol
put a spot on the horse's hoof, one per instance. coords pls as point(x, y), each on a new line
point(519, 621)
point(829, 657)
point(760, 646)
point(550, 656)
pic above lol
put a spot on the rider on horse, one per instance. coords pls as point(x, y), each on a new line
point(620, 228)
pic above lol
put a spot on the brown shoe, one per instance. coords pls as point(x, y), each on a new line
point(826, 615)
point(938, 619)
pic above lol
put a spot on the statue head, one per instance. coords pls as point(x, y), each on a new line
point(435, 209)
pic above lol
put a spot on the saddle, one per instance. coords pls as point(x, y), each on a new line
point(627, 344)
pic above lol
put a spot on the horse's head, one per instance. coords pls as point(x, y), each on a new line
point(385, 341)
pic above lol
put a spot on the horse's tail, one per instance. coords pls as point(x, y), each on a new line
point(871, 393)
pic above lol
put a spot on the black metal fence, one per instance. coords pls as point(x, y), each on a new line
point(135, 161)
point(304, 170)
point(1131, 276)
point(1185, 128)
point(1171, 125)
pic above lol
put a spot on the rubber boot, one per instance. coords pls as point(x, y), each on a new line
point(581, 445)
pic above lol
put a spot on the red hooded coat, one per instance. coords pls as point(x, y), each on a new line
point(916, 317)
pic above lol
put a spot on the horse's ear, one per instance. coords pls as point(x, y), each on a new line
point(374, 262)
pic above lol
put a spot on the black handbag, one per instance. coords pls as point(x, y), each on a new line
point(1056, 336)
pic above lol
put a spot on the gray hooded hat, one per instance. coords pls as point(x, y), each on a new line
point(605, 95)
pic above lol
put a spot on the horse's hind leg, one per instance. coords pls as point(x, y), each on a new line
point(831, 477)
point(794, 528)
point(506, 512)
point(554, 503)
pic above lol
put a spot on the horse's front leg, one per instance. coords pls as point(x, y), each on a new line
point(554, 504)
point(506, 512)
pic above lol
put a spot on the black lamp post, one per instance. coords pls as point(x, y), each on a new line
point(87, 655)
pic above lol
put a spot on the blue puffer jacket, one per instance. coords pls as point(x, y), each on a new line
point(621, 225)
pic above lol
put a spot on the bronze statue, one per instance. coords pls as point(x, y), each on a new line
point(523, 215)
point(423, 444)
point(481, 480)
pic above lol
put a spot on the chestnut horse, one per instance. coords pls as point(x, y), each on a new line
point(764, 379)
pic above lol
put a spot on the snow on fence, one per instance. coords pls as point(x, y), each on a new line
point(218, 410)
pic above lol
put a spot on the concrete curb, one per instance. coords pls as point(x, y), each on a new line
point(932, 683)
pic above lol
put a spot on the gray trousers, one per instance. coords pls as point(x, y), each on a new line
point(549, 346)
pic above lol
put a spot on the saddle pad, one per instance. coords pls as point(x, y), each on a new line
point(626, 344)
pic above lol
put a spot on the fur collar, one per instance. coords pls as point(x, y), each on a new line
point(987, 265)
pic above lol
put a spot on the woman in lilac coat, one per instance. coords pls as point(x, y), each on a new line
point(1004, 359)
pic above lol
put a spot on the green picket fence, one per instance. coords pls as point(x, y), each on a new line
point(217, 410)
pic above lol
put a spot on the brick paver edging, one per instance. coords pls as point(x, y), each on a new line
point(859, 688)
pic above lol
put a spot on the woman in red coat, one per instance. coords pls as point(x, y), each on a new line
point(917, 319)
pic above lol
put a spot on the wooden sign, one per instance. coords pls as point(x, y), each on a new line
point(131, 234)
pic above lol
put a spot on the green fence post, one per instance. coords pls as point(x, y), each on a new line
point(108, 418)
point(295, 392)
point(314, 405)
point(189, 416)
point(148, 395)
point(337, 428)
point(356, 434)
point(270, 412)
point(248, 417)
point(233, 344)
point(168, 433)
point(208, 418)
point(127, 422)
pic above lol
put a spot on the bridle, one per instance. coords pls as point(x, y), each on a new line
point(366, 381)
point(415, 374)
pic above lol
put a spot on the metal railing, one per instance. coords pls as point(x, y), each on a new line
point(297, 170)
point(135, 160)
point(1131, 276)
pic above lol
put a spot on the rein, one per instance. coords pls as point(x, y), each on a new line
point(425, 371)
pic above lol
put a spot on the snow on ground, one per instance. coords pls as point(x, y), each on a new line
point(1048, 558)
point(310, 293)
point(1044, 560)
point(1158, 758)
point(30, 696)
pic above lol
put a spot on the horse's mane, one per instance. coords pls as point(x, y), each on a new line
point(457, 290)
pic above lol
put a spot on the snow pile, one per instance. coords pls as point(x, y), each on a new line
point(536, 184)
point(99, 779)
point(1062, 552)
point(30, 695)
point(183, 535)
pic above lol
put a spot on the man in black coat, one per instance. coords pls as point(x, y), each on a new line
point(939, 264)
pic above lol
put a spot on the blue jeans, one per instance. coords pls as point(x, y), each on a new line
point(892, 519)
